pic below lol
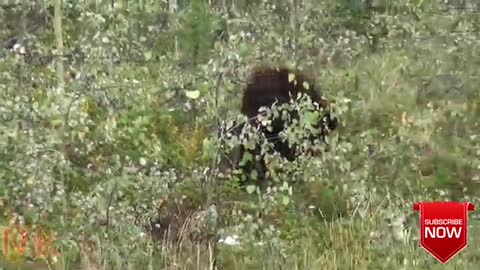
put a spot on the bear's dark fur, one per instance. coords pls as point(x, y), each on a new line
point(268, 86)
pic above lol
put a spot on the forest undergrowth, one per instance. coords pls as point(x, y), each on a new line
point(110, 149)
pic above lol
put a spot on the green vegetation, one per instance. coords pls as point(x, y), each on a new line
point(121, 128)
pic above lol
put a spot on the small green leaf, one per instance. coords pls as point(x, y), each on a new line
point(246, 158)
point(251, 189)
point(192, 94)
point(284, 186)
point(56, 122)
point(204, 87)
point(311, 117)
point(148, 55)
point(250, 144)
point(265, 122)
point(254, 174)
point(306, 85)
point(291, 77)
point(285, 200)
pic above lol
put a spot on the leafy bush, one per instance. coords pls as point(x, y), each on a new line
point(132, 141)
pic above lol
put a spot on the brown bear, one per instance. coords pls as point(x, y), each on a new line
point(280, 86)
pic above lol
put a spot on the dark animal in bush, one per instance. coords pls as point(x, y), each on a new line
point(265, 88)
point(10, 43)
